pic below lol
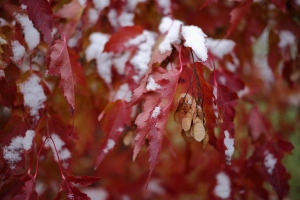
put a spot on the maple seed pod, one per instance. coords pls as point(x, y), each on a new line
point(187, 121)
point(180, 111)
point(198, 130)
point(188, 133)
point(205, 140)
point(186, 138)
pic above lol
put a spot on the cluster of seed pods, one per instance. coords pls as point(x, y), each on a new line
point(191, 118)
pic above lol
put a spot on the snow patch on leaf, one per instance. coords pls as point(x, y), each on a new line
point(228, 142)
point(34, 96)
point(140, 60)
point(32, 36)
point(269, 162)
point(172, 36)
point(124, 93)
point(110, 145)
point(152, 85)
point(63, 152)
point(287, 38)
point(223, 187)
point(13, 152)
point(219, 48)
point(156, 112)
point(18, 51)
point(195, 38)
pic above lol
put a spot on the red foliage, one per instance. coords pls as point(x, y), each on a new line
point(215, 128)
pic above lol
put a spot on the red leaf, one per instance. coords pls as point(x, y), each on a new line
point(116, 116)
point(72, 193)
point(83, 180)
point(280, 4)
point(60, 66)
point(207, 3)
point(28, 190)
point(40, 13)
point(237, 14)
point(78, 73)
point(117, 41)
point(7, 92)
point(256, 124)
point(158, 101)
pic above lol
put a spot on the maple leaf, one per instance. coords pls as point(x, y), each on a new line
point(60, 65)
point(280, 4)
point(72, 193)
point(237, 14)
point(78, 73)
point(83, 180)
point(7, 92)
point(156, 108)
point(117, 42)
point(256, 123)
point(116, 117)
point(40, 13)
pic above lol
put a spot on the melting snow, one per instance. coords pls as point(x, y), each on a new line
point(219, 47)
point(34, 96)
point(110, 144)
point(152, 85)
point(270, 162)
point(222, 189)
point(156, 112)
point(228, 142)
point(12, 153)
point(32, 36)
point(165, 5)
point(18, 51)
point(195, 38)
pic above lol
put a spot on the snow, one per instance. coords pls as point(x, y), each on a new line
point(13, 152)
point(112, 18)
point(70, 196)
point(82, 2)
point(63, 153)
point(140, 60)
point(2, 74)
point(152, 85)
point(172, 36)
point(243, 92)
point(165, 24)
point(103, 59)
point(23, 7)
point(155, 187)
point(195, 38)
point(219, 48)
point(110, 144)
point(228, 142)
point(18, 51)
point(93, 15)
point(126, 19)
point(34, 96)
point(32, 36)
point(297, 2)
point(124, 93)
point(222, 189)
point(73, 41)
point(269, 162)
point(3, 22)
point(101, 4)
point(119, 61)
point(165, 5)
point(286, 38)
point(131, 4)
point(96, 193)
point(156, 112)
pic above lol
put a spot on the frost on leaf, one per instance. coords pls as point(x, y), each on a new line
point(60, 66)
point(34, 96)
point(223, 187)
point(195, 38)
